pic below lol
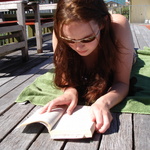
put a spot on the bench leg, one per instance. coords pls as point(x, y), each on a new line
point(38, 29)
point(25, 56)
point(21, 21)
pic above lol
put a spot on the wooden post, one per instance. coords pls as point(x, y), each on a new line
point(38, 28)
point(21, 21)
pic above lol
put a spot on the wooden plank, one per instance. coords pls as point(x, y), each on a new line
point(12, 75)
point(48, 24)
point(139, 36)
point(136, 45)
point(47, 6)
point(9, 69)
point(12, 62)
point(30, 132)
point(13, 35)
point(19, 138)
point(13, 28)
point(18, 85)
point(11, 46)
point(47, 37)
point(7, 119)
point(5, 6)
point(141, 132)
point(9, 60)
point(16, 78)
point(119, 135)
point(47, 143)
point(146, 34)
point(12, 65)
point(12, 4)
point(84, 144)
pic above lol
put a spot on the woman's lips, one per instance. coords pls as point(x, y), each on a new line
point(82, 52)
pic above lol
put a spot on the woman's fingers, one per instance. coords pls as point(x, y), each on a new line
point(62, 100)
point(44, 109)
point(98, 118)
point(107, 118)
point(71, 107)
point(102, 118)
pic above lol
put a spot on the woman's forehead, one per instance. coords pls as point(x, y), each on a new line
point(78, 27)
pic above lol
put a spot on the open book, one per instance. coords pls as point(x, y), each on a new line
point(60, 125)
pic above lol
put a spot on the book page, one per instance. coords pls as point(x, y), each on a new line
point(47, 118)
point(77, 125)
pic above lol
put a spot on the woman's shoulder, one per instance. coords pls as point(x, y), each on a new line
point(119, 23)
point(118, 19)
point(122, 32)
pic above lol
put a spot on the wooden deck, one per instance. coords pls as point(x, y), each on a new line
point(127, 131)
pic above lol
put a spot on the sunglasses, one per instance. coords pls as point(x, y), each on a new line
point(85, 40)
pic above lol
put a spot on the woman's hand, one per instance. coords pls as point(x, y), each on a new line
point(101, 115)
point(69, 98)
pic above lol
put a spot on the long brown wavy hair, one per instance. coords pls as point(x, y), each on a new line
point(69, 67)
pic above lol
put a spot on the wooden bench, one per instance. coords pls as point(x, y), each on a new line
point(38, 22)
point(17, 29)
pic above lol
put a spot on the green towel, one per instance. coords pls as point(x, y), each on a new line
point(42, 90)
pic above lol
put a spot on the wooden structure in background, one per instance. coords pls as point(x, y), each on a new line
point(17, 30)
point(38, 22)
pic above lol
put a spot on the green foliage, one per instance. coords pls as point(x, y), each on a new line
point(124, 10)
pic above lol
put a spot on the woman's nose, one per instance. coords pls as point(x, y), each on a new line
point(79, 45)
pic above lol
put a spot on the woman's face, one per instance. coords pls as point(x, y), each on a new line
point(84, 35)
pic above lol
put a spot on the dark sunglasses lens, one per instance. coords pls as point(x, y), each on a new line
point(88, 40)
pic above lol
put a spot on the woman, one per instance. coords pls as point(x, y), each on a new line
point(93, 58)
